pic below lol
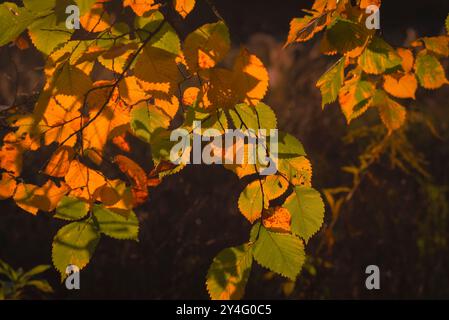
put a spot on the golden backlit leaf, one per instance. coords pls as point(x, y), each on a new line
point(277, 219)
point(206, 46)
point(158, 70)
point(137, 176)
point(32, 198)
point(190, 95)
point(141, 6)
point(402, 86)
point(355, 97)
point(83, 181)
point(392, 113)
point(11, 156)
point(407, 58)
point(184, 7)
point(59, 162)
point(7, 186)
point(246, 83)
point(96, 19)
point(131, 91)
point(303, 29)
point(366, 3)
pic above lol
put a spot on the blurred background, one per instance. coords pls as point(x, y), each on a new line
point(397, 217)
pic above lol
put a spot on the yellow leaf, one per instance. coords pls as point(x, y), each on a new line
point(274, 186)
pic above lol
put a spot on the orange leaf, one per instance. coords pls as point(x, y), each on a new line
point(59, 162)
point(137, 176)
point(32, 198)
point(184, 7)
point(11, 156)
point(7, 186)
point(403, 87)
point(277, 220)
point(83, 181)
point(121, 143)
point(190, 95)
point(95, 20)
point(246, 83)
point(407, 59)
point(141, 6)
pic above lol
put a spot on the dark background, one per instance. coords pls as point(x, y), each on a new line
point(191, 216)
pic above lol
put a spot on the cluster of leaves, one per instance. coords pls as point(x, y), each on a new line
point(154, 78)
point(370, 73)
point(13, 283)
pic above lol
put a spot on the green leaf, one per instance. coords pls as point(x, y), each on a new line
point(212, 41)
point(447, 24)
point(282, 253)
point(330, 82)
point(298, 170)
point(41, 285)
point(216, 120)
point(74, 244)
point(430, 72)
point(229, 272)
point(166, 39)
point(71, 208)
point(307, 210)
point(35, 271)
point(438, 45)
point(345, 35)
point(48, 33)
point(378, 57)
point(13, 21)
point(248, 117)
point(289, 146)
point(116, 225)
point(39, 6)
point(145, 120)
point(355, 96)
point(250, 201)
